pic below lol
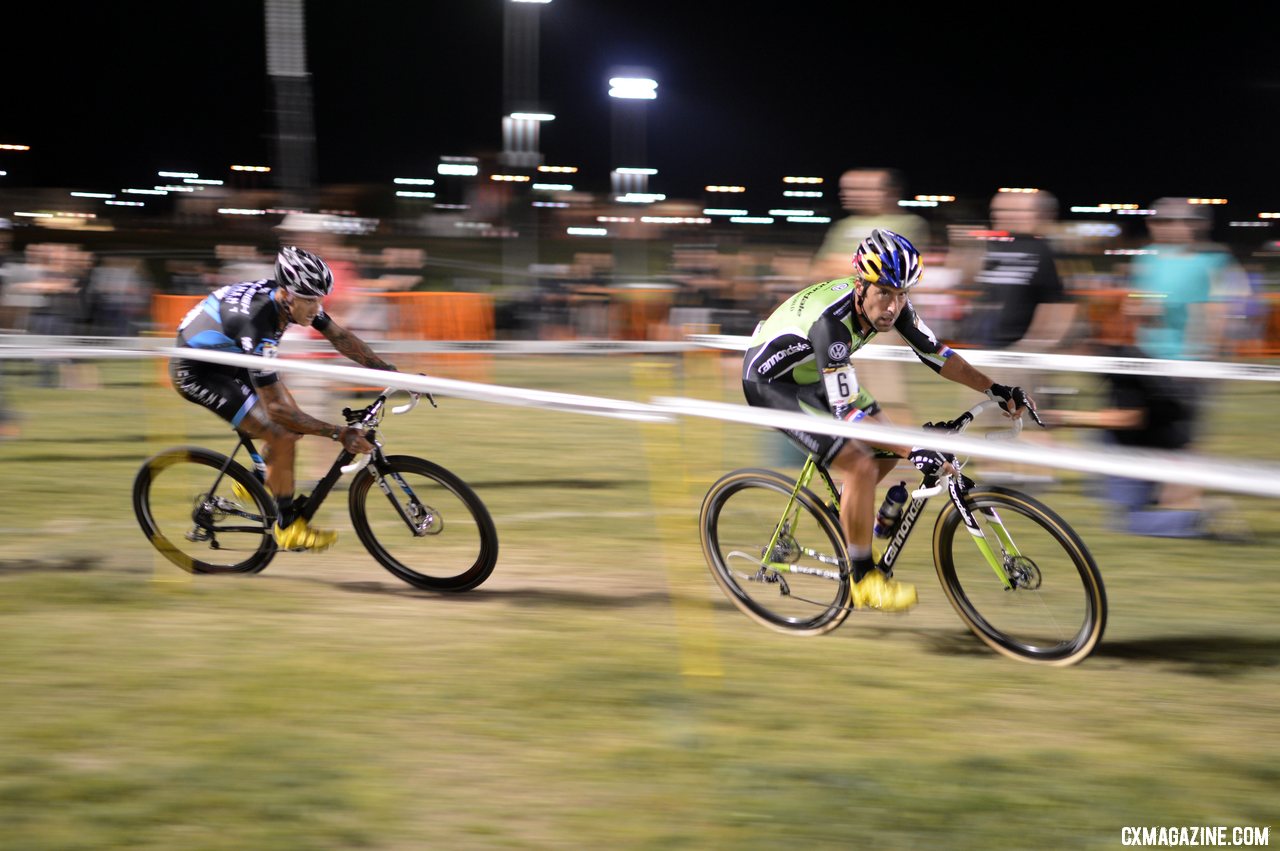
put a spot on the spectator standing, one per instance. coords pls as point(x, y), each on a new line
point(1183, 287)
point(871, 195)
point(1021, 303)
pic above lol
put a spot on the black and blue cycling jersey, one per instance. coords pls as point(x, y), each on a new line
point(244, 318)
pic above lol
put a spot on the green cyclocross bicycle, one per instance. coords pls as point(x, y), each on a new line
point(1024, 582)
point(207, 513)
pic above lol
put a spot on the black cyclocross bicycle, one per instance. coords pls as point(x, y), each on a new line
point(207, 513)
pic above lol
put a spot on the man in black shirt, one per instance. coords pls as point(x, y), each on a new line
point(1021, 302)
point(249, 318)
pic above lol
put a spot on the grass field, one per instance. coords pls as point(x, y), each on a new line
point(597, 691)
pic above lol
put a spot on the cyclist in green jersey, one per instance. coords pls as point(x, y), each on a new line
point(798, 360)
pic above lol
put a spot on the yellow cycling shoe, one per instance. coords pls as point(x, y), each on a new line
point(300, 536)
point(875, 591)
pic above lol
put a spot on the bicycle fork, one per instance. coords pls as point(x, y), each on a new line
point(421, 519)
point(1008, 548)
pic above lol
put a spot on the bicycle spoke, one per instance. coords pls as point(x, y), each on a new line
point(779, 572)
point(1043, 602)
point(424, 525)
point(224, 531)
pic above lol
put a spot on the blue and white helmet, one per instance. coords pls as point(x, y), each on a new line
point(303, 273)
point(888, 260)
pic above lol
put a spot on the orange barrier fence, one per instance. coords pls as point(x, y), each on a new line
point(1267, 342)
point(167, 312)
point(441, 316)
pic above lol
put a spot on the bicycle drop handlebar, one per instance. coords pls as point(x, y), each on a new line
point(965, 419)
point(372, 413)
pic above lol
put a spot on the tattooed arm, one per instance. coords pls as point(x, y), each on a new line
point(284, 411)
point(353, 347)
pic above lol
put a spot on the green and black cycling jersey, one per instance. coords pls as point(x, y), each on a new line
point(816, 329)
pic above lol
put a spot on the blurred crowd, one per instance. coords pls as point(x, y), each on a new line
point(1009, 273)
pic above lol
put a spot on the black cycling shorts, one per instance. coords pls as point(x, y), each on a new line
point(809, 399)
point(225, 390)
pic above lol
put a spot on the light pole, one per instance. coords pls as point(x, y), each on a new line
point(630, 90)
point(291, 85)
point(521, 122)
point(522, 114)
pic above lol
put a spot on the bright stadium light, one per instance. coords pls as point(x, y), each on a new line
point(533, 116)
point(633, 88)
point(177, 174)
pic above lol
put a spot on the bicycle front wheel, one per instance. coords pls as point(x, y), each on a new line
point(801, 585)
point(423, 524)
point(202, 521)
point(1043, 601)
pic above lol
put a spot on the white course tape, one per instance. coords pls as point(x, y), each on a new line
point(1186, 468)
point(494, 393)
point(1151, 465)
point(1047, 362)
point(28, 345)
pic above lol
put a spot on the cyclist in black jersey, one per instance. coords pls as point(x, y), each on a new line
point(249, 318)
point(798, 360)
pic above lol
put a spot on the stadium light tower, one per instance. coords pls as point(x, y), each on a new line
point(291, 86)
point(522, 115)
point(630, 90)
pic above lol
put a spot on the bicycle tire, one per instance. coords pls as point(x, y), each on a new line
point(747, 533)
point(426, 560)
point(1057, 610)
point(188, 525)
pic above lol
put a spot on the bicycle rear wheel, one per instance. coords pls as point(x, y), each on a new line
point(424, 524)
point(1056, 608)
point(199, 526)
point(802, 586)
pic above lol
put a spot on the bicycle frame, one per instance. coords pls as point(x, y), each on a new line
point(929, 486)
point(310, 504)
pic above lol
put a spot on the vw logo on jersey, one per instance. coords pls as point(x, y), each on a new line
point(837, 351)
point(843, 285)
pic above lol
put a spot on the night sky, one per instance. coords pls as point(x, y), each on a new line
point(1092, 106)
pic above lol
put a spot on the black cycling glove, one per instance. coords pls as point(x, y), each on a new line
point(1013, 398)
point(929, 461)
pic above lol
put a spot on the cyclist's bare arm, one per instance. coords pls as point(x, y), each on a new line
point(353, 347)
point(285, 412)
point(960, 371)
